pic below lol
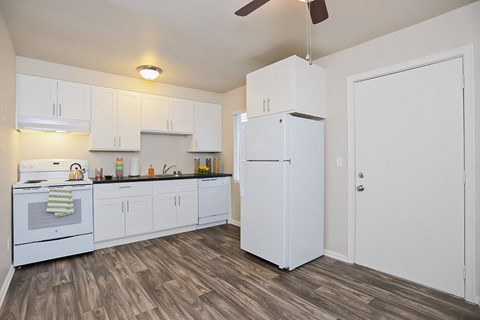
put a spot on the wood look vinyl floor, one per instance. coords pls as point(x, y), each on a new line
point(204, 275)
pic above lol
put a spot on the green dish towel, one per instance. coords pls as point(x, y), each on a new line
point(60, 201)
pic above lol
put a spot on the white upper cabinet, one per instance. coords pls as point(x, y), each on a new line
point(104, 115)
point(207, 128)
point(166, 115)
point(129, 120)
point(155, 113)
point(290, 85)
point(36, 96)
point(44, 104)
point(116, 119)
point(73, 100)
point(181, 116)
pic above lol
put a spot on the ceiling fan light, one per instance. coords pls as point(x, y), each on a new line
point(149, 72)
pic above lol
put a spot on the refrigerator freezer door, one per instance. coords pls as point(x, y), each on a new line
point(263, 204)
point(265, 137)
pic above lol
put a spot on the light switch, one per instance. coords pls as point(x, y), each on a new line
point(339, 162)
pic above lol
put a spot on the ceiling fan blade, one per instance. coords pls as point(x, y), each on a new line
point(250, 7)
point(318, 11)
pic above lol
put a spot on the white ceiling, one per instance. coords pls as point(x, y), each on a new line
point(198, 43)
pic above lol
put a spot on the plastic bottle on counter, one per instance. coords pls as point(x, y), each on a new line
point(119, 167)
point(151, 171)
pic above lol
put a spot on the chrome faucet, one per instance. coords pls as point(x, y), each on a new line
point(165, 169)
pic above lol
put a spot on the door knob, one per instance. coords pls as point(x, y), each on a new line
point(360, 188)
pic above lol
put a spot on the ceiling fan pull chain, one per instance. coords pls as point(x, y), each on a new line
point(309, 33)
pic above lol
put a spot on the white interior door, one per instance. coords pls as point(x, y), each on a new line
point(410, 162)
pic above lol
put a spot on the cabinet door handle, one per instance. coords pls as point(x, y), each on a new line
point(168, 125)
point(114, 141)
point(124, 187)
point(53, 110)
point(264, 105)
point(196, 144)
point(128, 206)
point(122, 207)
point(60, 110)
point(268, 104)
point(171, 125)
point(179, 201)
point(175, 200)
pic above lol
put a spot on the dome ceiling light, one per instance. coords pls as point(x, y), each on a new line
point(149, 72)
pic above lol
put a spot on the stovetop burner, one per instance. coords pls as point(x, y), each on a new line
point(34, 181)
point(48, 173)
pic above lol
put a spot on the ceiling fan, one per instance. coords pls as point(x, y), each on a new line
point(318, 9)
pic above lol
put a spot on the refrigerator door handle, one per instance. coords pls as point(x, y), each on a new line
point(242, 178)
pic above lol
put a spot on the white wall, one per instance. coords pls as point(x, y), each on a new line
point(155, 149)
point(233, 101)
point(458, 28)
point(8, 151)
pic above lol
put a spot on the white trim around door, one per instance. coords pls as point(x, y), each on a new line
point(467, 54)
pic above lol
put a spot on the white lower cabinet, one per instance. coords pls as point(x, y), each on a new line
point(187, 209)
point(109, 219)
point(164, 211)
point(175, 204)
point(138, 215)
point(122, 209)
point(127, 212)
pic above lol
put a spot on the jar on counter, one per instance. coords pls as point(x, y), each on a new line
point(216, 166)
point(196, 164)
point(208, 164)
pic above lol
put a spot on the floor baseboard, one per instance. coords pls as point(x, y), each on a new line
point(336, 256)
point(6, 284)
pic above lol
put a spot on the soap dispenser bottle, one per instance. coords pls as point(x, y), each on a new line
point(151, 171)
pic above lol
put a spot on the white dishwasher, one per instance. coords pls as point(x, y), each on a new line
point(213, 201)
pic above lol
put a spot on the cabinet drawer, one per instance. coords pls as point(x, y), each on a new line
point(174, 186)
point(119, 190)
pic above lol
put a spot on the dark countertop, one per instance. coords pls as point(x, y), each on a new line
point(160, 177)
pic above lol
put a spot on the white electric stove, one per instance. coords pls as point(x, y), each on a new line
point(39, 235)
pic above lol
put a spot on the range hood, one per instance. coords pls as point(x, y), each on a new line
point(55, 125)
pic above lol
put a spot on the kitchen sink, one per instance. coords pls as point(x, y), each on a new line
point(171, 175)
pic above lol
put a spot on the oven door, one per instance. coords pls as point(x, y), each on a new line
point(32, 222)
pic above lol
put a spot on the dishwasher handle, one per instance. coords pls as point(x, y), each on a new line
point(213, 182)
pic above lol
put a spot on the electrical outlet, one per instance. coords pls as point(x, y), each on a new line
point(339, 162)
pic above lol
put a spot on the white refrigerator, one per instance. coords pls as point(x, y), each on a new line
point(282, 189)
